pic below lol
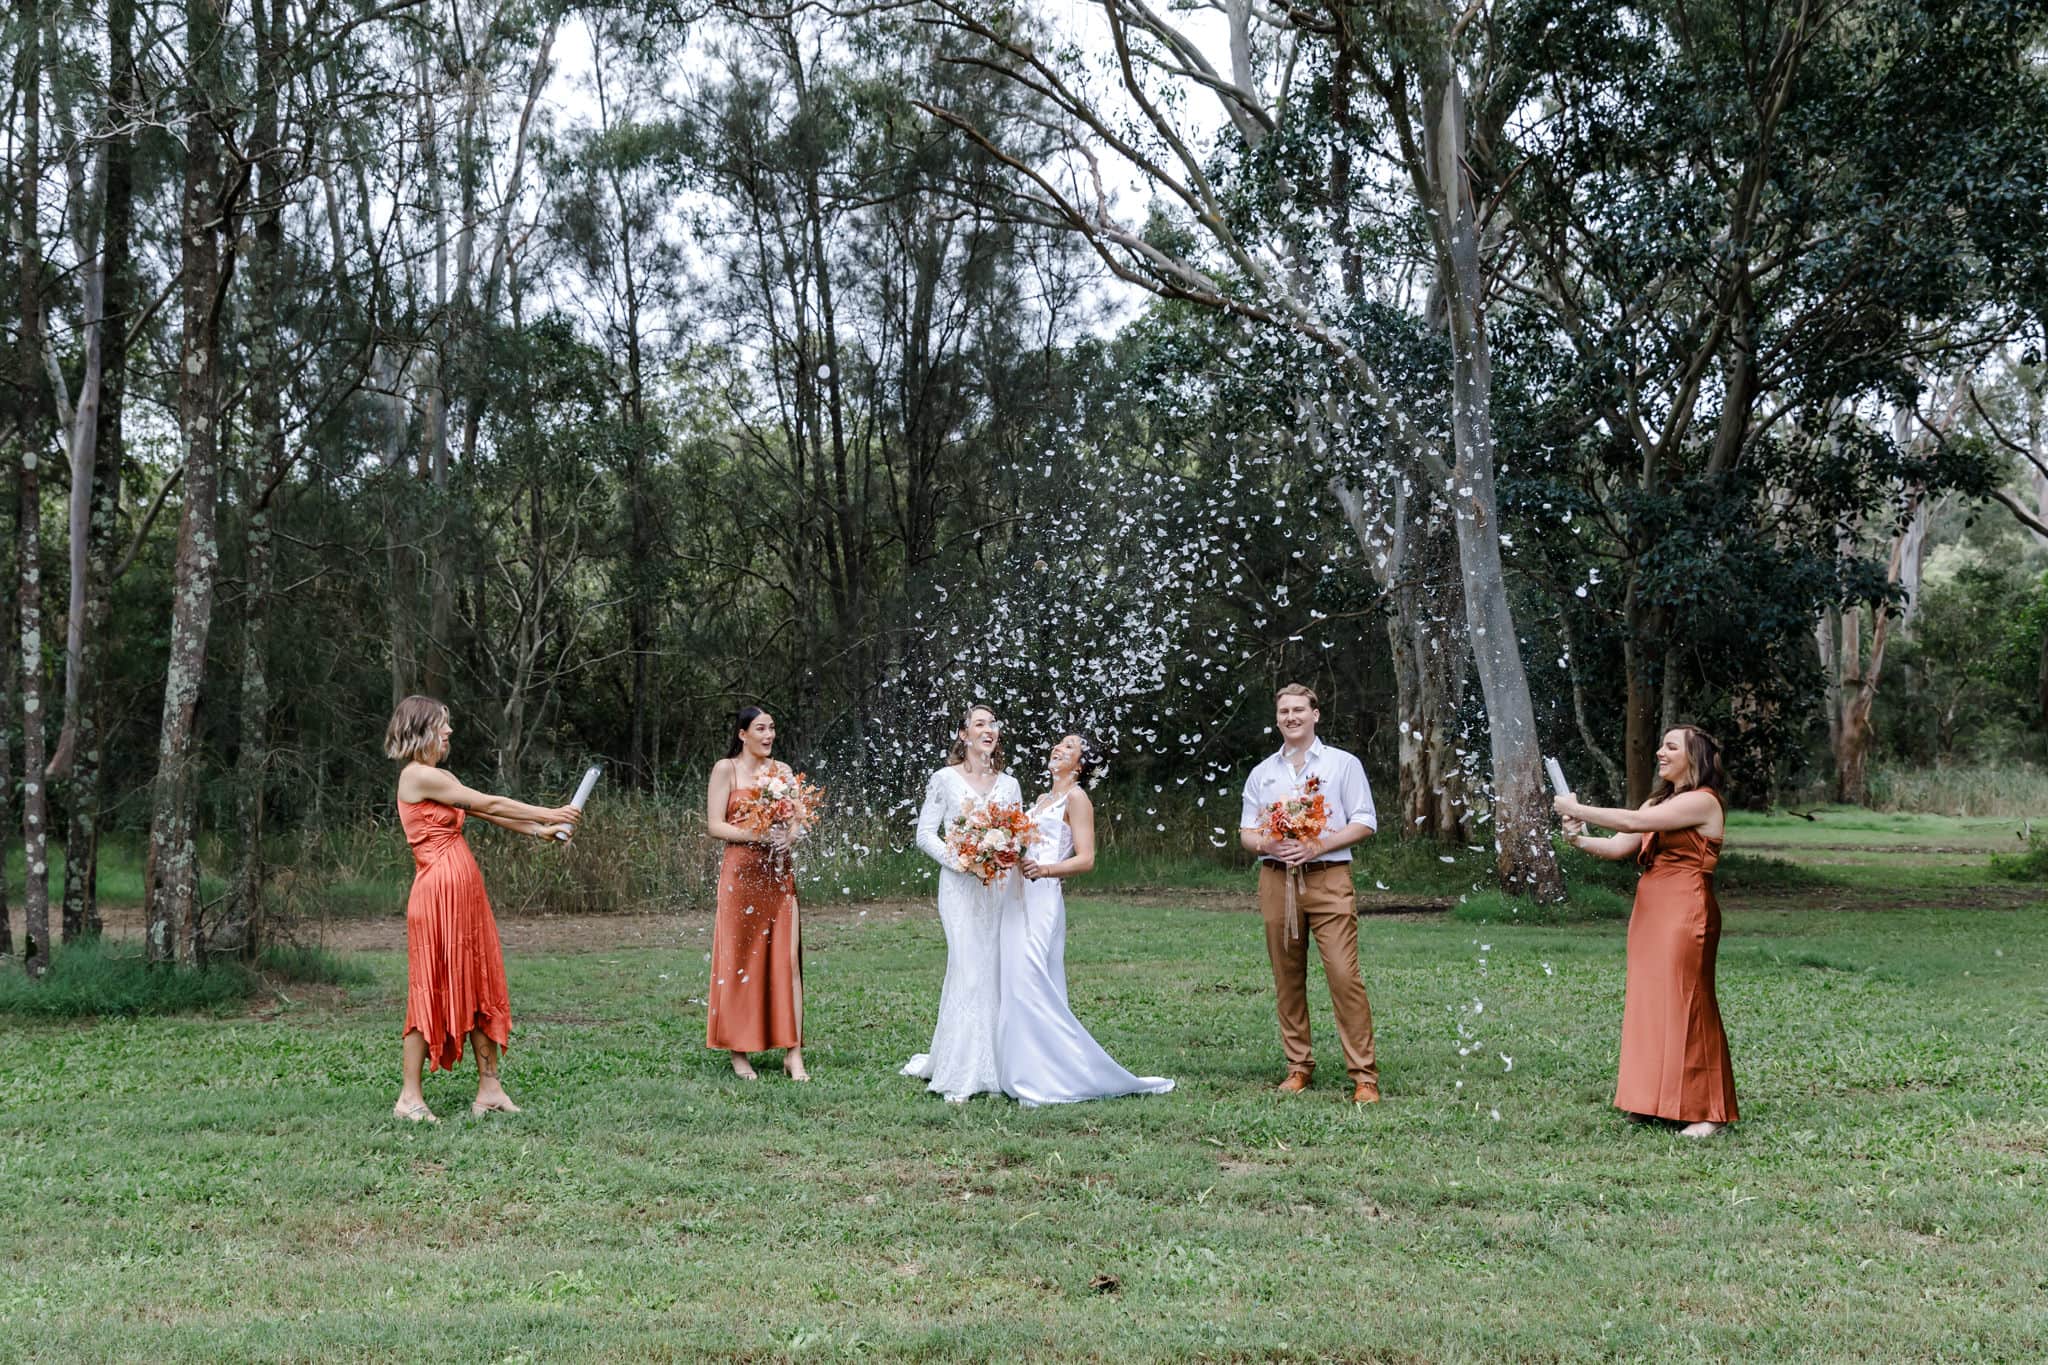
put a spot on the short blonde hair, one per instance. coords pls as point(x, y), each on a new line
point(411, 732)
point(1299, 690)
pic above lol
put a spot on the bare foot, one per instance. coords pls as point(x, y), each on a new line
point(743, 1068)
point(1701, 1129)
point(793, 1065)
point(492, 1099)
point(413, 1109)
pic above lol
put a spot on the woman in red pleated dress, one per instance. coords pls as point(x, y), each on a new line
point(1674, 1053)
point(756, 1000)
point(455, 972)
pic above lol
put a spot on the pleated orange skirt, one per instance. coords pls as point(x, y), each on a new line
point(455, 968)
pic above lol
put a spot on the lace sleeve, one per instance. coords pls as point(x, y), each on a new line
point(932, 819)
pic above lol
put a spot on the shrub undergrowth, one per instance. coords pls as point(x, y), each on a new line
point(2030, 866)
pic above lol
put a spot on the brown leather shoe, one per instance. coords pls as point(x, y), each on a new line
point(1365, 1093)
point(1296, 1081)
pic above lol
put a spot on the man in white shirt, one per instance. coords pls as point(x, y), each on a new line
point(1310, 879)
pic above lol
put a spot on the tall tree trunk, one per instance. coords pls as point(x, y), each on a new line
point(240, 931)
point(103, 519)
point(1522, 822)
point(1850, 731)
point(171, 875)
point(1642, 693)
point(84, 442)
point(33, 422)
point(436, 549)
point(1416, 561)
point(7, 713)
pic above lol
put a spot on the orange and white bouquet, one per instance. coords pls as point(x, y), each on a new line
point(988, 838)
point(1303, 815)
point(780, 797)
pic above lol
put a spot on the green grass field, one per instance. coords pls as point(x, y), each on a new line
point(227, 1186)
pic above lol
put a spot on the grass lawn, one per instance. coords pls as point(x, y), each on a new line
point(226, 1187)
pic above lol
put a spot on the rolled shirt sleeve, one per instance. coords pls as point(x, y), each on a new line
point(1254, 809)
point(1354, 796)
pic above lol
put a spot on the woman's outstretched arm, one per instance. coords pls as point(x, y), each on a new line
point(438, 784)
point(1687, 810)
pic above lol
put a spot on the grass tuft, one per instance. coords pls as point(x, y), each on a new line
point(97, 979)
point(1584, 903)
point(310, 965)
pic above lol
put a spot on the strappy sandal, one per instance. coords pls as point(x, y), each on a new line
point(418, 1113)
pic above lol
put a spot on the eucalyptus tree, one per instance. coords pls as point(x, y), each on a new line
point(1748, 231)
point(620, 265)
point(885, 349)
point(32, 422)
point(1381, 129)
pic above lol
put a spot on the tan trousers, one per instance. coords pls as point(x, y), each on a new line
point(1328, 913)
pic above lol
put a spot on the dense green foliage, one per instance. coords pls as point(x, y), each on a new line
point(599, 369)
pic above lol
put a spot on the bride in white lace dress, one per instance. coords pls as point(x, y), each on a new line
point(962, 1060)
point(1043, 1054)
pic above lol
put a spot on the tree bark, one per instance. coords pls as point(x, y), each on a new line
point(436, 549)
point(1642, 698)
point(103, 523)
point(32, 426)
point(1856, 677)
point(171, 875)
point(1522, 821)
point(1415, 560)
point(241, 929)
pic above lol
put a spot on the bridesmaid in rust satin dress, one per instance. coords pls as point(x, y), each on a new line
point(1674, 1053)
point(756, 999)
point(455, 972)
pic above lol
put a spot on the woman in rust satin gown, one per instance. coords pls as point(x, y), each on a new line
point(756, 1000)
point(455, 973)
point(1674, 1054)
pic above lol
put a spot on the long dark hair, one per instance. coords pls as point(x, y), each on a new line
point(741, 719)
point(957, 753)
point(1703, 756)
point(1094, 758)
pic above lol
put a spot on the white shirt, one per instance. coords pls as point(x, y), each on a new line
point(1345, 790)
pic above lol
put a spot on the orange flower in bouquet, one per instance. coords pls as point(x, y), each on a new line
point(1304, 815)
point(988, 838)
point(781, 797)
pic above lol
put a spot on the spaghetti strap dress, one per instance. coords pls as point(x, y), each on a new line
point(756, 1000)
point(455, 969)
point(1674, 1052)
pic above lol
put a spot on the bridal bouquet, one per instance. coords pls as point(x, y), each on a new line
point(1304, 815)
point(781, 797)
point(988, 838)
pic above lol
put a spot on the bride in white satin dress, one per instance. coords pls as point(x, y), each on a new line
point(1043, 1054)
point(962, 1060)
